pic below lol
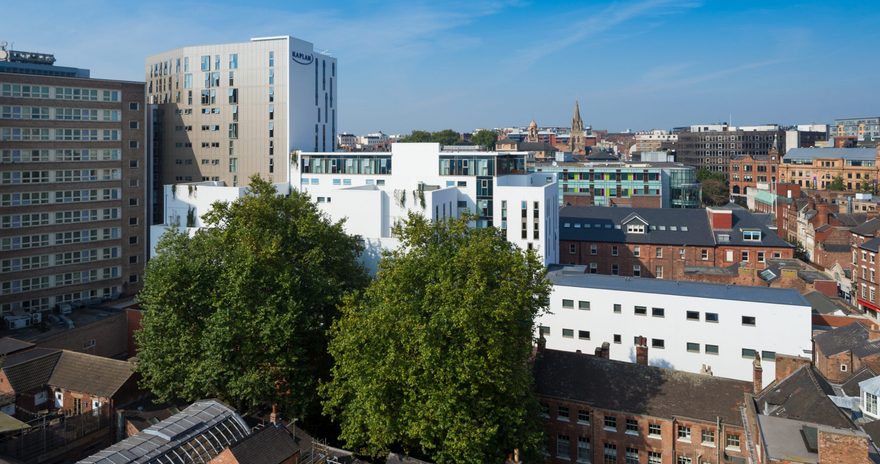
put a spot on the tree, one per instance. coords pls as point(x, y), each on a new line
point(446, 137)
point(705, 174)
point(837, 184)
point(240, 310)
point(418, 136)
point(432, 358)
point(485, 138)
point(715, 192)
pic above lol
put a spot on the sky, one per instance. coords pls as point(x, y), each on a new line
point(433, 65)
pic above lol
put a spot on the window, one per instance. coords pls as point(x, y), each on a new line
point(545, 330)
point(610, 423)
point(711, 317)
point(870, 402)
point(683, 460)
point(744, 256)
point(635, 228)
point(752, 235)
point(659, 252)
point(732, 441)
point(616, 338)
point(594, 249)
point(712, 349)
point(693, 347)
point(658, 312)
point(134, 106)
point(693, 315)
point(583, 416)
point(614, 250)
point(584, 334)
point(562, 413)
point(133, 240)
point(585, 305)
point(583, 455)
point(761, 257)
point(768, 355)
point(132, 144)
point(617, 308)
point(637, 270)
point(572, 248)
point(133, 278)
point(684, 433)
point(632, 456)
point(615, 269)
point(609, 454)
point(748, 353)
point(637, 251)
point(641, 310)
point(748, 320)
point(632, 426)
point(132, 124)
point(562, 446)
point(704, 254)
point(568, 304)
point(567, 333)
point(132, 260)
point(132, 163)
point(708, 437)
point(132, 202)
point(132, 221)
point(654, 457)
point(653, 430)
point(545, 410)
point(594, 268)
point(658, 343)
point(658, 272)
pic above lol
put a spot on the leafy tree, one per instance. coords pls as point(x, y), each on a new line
point(705, 174)
point(446, 137)
point(837, 184)
point(432, 359)
point(240, 311)
point(485, 138)
point(418, 136)
point(715, 192)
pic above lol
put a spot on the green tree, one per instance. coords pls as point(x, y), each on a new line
point(485, 138)
point(837, 184)
point(240, 310)
point(446, 137)
point(432, 359)
point(715, 192)
point(705, 174)
point(418, 136)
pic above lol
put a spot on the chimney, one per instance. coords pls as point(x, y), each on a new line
point(822, 213)
point(603, 351)
point(273, 418)
point(706, 370)
point(873, 332)
point(642, 351)
point(757, 374)
point(720, 218)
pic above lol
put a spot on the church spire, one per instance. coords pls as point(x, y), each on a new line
point(576, 141)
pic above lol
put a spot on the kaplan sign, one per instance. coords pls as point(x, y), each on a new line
point(302, 58)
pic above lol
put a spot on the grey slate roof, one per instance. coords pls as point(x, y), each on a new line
point(851, 219)
point(851, 386)
point(605, 224)
point(30, 369)
point(573, 276)
point(9, 345)
point(637, 389)
point(871, 245)
point(852, 337)
point(197, 434)
point(95, 375)
point(269, 445)
point(867, 228)
point(802, 396)
point(856, 154)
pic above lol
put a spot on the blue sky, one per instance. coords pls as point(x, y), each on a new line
point(410, 65)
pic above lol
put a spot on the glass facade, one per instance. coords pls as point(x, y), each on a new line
point(346, 164)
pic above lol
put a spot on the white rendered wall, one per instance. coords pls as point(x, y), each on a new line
point(782, 329)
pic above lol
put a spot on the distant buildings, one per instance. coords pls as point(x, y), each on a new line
point(229, 111)
point(863, 129)
point(688, 326)
point(73, 184)
point(816, 168)
point(654, 140)
point(747, 171)
point(665, 243)
point(711, 146)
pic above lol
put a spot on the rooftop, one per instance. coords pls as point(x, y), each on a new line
point(574, 276)
point(104, 376)
point(854, 154)
point(269, 445)
point(802, 396)
point(638, 389)
point(852, 337)
point(789, 440)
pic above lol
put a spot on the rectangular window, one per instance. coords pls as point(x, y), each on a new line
point(572, 248)
point(584, 305)
point(609, 454)
point(744, 256)
point(567, 333)
point(614, 250)
point(583, 455)
point(584, 334)
point(632, 426)
point(684, 433)
point(748, 353)
point(568, 304)
point(610, 423)
point(708, 437)
point(637, 251)
point(711, 317)
point(871, 403)
point(768, 355)
point(545, 330)
point(658, 312)
point(583, 416)
point(659, 252)
point(732, 441)
point(617, 308)
point(594, 249)
point(658, 343)
point(562, 413)
point(752, 235)
point(654, 430)
point(640, 310)
point(704, 254)
point(693, 347)
point(693, 315)
point(712, 349)
point(683, 460)
point(615, 269)
point(748, 320)
point(637, 270)
point(654, 457)
point(562, 446)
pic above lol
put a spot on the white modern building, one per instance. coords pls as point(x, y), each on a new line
point(689, 326)
point(373, 191)
point(228, 111)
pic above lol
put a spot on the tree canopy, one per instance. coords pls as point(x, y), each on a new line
point(432, 358)
point(443, 137)
point(240, 310)
point(485, 138)
point(837, 184)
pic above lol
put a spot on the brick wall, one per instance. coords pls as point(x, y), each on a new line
point(841, 448)
point(106, 337)
point(787, 364)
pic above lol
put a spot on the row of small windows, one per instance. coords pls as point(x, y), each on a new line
point(41, 134)
point(60, 93)
point(22, 242)
point(68, 278)
point(58, 155)
point(13, 221)
point(58, 259)
point(67, 175)
point(630, 228)
point(59, 114)
point(655, 312)
point(63, 196)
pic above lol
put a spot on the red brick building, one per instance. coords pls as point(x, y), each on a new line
point(664, 243)
point(747, 171)
point(844, 352)
point(865, 272)
point(602, 411)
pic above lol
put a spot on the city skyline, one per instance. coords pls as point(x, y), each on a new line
point(633, 65)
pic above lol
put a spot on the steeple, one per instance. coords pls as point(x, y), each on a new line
point(576, 141)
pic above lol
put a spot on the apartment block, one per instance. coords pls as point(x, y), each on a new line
point(689, 326)
point(72, 188)
point(229, 111)
point(712, 146)
point(816, 168)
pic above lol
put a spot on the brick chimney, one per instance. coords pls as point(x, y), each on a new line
point(821, 213)
point(273, 418)
point(603, 351)
point(757, 374)
point(642, 351)
point(720, 218)
point(873, 331)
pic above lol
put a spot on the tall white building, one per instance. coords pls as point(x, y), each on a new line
point(229, 111)
point(689, 326)
point(373, 191)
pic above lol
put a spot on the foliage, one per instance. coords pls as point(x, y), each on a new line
point(432, 359)
point(485, 138)
point(715, 192)
point(418, 136)
point(837, 184)
point(444, 137)
point(800, 252)
point(705, 174)
point(240, 310)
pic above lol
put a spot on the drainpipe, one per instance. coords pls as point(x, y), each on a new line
point(720, 432)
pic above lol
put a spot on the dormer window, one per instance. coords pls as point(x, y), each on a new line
point(635, 228)
point(752, 235)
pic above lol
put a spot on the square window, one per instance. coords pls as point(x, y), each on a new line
point(654, 457)
point(584, 334)
point(568, 304)
point(583, 416)
point(616, 338)
point(545, 330)
point(617, 308)
point(712, 349)
point(684, 432)
point(658, 312)
point(654, 430)
point(133, 278)
point(132, 240)
point(133, 163)
point(748, 320)
point(132, 260)
point(693, 315)
point(132, 221)
point(132, 144)
point(658, 343)
point(567, 333)
point(132, 124)
point(632, 425)
point(585, 305)
point(708, 437)
point(732, 441)
point(132, 202)
point(134, 182)
point(693, 347)
point(562, 413)
point(134, 106)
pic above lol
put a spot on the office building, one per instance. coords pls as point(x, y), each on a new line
point(374, 191)
point(689, 326)
point(72, 187)
point(712, 146)
point(863, 129)
point(748, 171)
point(230, 111)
